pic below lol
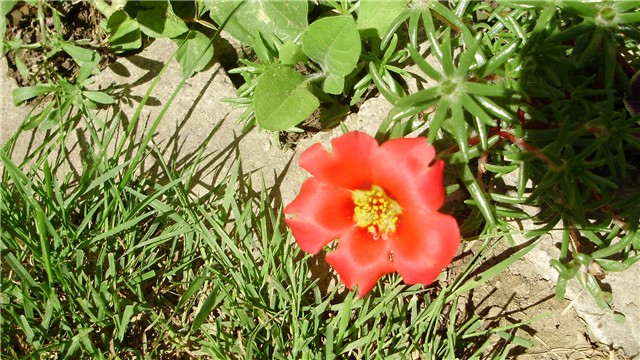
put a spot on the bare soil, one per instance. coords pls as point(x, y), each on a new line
point(79, 24)
point(513, 297)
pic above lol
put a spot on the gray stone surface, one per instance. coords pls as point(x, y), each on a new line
point(199, 119)
point(10, 116)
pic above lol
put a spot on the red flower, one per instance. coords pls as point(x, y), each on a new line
point(381, 203)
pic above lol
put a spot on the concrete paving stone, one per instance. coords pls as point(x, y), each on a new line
point(198, 118)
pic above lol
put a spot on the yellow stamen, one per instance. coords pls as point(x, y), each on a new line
point(376, 211)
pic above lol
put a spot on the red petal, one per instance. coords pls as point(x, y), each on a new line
point(360, 260)
point(322, 213)
point(401, 167)
point(425, 243)
point(347, 165)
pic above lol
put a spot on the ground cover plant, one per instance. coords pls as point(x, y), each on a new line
point(108, 263)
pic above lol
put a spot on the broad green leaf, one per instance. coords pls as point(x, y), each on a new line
point(375, 16)
point(623, 6)
point(26, 328)
point(99, 97)
point(161, 22)
point(329, 354)
point(86, 70)
point(579, 8)
point(5, 8)
point(54, 117)
point(291, 54)
point(332, 115)
point(195, 53)
point(282, 99)
point(334, 43)
point(274, 20)
point(629, 18)
point(29, 92)
point(333, 84)
point(79, 54)
point(124, 32)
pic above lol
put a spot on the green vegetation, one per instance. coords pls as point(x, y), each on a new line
point(109, 263)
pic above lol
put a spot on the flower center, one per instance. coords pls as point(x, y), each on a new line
point(376, 212)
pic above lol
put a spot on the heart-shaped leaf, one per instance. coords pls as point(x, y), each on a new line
point(333, 84)
point(375, 16)
point(291, 54)
point(195, 53)
point(282, 99)
point(161, 21)
point(124, 32)
point(249, 19)
point(334, 43)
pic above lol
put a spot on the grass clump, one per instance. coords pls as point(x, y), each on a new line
point(148, 272)
point(108, 263)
